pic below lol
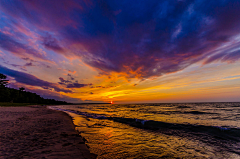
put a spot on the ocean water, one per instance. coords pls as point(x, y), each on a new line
point(184, 130)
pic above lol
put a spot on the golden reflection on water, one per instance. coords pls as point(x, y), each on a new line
point(111, 140)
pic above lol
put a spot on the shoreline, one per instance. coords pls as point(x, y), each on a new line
point(39, 132)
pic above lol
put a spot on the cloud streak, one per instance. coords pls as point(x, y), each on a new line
point(143, 39)
point(9, 44)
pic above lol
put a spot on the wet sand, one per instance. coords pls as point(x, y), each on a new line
point(38, 132)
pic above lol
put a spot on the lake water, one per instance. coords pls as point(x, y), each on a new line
point(184, 130)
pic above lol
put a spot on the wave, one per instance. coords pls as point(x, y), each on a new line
point(174, 128)
point(223, 133)
point(183, 106)
point(197, 112)
point(180, 112)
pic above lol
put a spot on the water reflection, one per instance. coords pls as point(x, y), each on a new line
point(110, 140)
point(174, 130)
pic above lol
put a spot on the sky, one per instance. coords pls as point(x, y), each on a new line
point(123, 51)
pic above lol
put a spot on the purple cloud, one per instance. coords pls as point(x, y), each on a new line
point(63, 81)
point(29, 64)
point(51, 43)
point(224, 57)
point(71, 84)
point(9, 44)
point(28, 59)
point(76, 85)
point(28, 79)
point(232, 57)
point(143, 39)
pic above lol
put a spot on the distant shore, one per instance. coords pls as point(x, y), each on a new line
point(38, 132)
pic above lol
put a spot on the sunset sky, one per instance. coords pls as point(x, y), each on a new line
point(125, 51)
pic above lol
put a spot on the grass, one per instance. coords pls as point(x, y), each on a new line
point(7, 104)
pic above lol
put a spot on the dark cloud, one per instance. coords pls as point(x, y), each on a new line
point(76, 85)
point(29, 64)
point(63, 80)
point(70, 76)
point(28, 79)
point(141, 39)
point(28, 59)
point(71, 84)
point(51, 43)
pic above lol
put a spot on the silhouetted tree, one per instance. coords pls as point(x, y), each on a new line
point(3, 81)
point(21, 89)
point(4, 92)
point(21, 96)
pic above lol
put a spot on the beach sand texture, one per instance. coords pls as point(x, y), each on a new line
point(28, 132)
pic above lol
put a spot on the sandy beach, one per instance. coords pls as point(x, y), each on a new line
point(38, 132)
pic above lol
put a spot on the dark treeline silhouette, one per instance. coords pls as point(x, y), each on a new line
point(21, 96)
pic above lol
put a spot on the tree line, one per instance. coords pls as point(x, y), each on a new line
point(21, 96)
